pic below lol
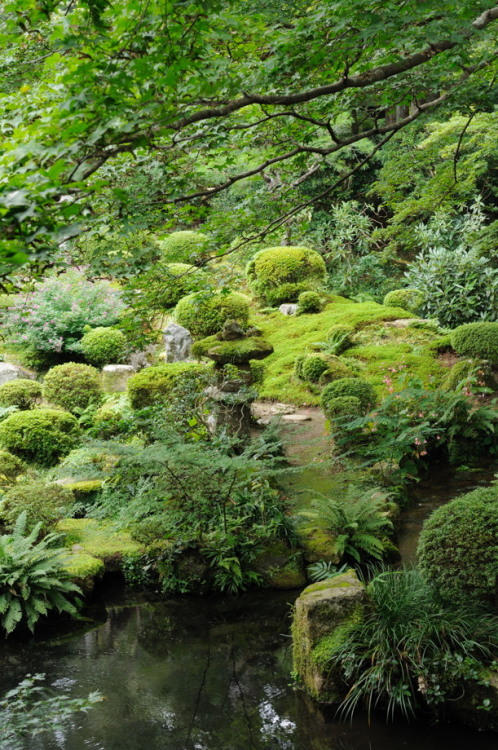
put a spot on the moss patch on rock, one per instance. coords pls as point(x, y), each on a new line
point(237, 352)
point(279, 566)
point(99, 539)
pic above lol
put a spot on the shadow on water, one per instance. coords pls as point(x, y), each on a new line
point(202, 674)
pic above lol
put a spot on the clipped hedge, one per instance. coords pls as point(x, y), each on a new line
point(41, 435)
point(344, 406)
point(104, 346)
point(477, 340)
point(458, 546)
point(23, 393)
point(205, 315)
point(409, 299)
point(72, 386)
point(308, 302)
point(43, 502)
point(157, 383)
point(184, 246)
point(349, 387)
point(271, 268)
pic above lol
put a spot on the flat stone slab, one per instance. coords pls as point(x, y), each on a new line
point(296, 418)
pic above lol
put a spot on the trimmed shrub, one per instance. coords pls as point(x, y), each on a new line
point(273, 267)
point(343, 406)
point(356, 387)
point(285, 293)
point(204, 316)
point(478, 340)
point(43, 503)
point(103, 346)
point(308, 302)
point(11, 467)
point(458, 546)
point(409, 299)
point(184, 247)
point(42, 435)
point(312, 367)
point(23, 393)
point(72, 386)
point(157, 383)
point(336, 370)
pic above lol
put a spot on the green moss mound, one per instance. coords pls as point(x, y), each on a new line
point(103, 346)
point(43, 502)
point(100, 539)
point(237, 352)
point(271, 268)
point(308, 302)
point(409, 299)
point(205, 315)
point(349, 387)
point(157, 383)
point(289, 292)
point(25, 394)
point(343, 406)
point(72, 386)
point(477, 340)
point(11, 467)
point(458, 546)
point(184, 247)
point(312, 367)
point(41, 435)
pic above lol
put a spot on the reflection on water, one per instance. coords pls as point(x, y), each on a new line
point(205, 674)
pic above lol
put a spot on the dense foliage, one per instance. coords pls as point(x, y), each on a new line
point(41, 435)
point(103, 346)
point(72, 386)
point(23, 393)
point(205, 314)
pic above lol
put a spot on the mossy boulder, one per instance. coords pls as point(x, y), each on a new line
point(323, 614)
point(318, 544)
point(409, 299)
point(272, 268)
point(279, 566)
point(100, 539)
point(237, 352)
point(84, 569)
point(204, 315)
point(154, 384)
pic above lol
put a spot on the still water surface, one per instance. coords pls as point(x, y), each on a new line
point(202, 674)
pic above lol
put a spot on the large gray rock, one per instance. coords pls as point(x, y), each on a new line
point(177, 342)
point(288, 308)
point(115, 378)
point(12, 372)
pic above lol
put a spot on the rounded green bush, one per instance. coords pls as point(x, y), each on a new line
point(343, 406)
point(11, 467)
point(41, 435)
point(45, 503)
point(312, 367)
point(73, 386)
point(285, 293)
point(184, 247)
point(409, 299)
point(103, 346)
point(157, 383)
point(273, 267)
point(478, 340)
point(308, 302)
point(356, 387)
point(23, 393)
point(204, 316)
point(458, 546)
point(335, 371)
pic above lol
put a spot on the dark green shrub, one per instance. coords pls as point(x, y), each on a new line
point(205, 315)
point(103, 346)
point(336, 370)
point(164, 285)
point(355, 387)
point(157, 383)
point(24, 394)
point(285, 293)
point(273, 267)
point(478, 340)
point(73, 386)
point(409, 299)
point(111, 418)
point(312, 367)
point(458, 546)
point(42, 435)
point(11, 467)
point(466, 370)
point(308, 302)
point(43, 503)
point(184, 247)
point(343, 406)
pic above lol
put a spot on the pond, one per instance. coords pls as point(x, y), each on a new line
point(202, 674)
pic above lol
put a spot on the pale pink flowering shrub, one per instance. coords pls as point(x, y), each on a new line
point(51, 319)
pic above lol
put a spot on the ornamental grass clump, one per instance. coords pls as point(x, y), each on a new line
point(32, 579)
point(48, 323)
point(72, 386)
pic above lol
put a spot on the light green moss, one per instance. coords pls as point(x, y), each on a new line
point(328, 645)
point(234, 352)
point(83, 566)
point(98, 538)
point(376, 359)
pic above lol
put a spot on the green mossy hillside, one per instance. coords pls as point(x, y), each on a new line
point(292, 337)
point(101, 540)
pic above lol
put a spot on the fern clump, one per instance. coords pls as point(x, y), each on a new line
point(32, 579)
